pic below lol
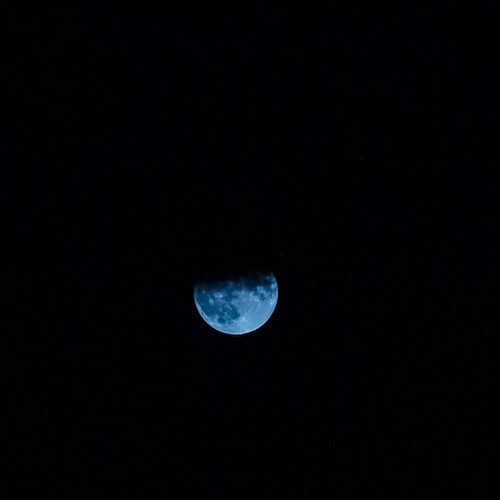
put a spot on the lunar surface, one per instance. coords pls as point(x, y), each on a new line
point(238, 303)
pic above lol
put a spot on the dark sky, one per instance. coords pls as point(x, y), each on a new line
point(345, 147)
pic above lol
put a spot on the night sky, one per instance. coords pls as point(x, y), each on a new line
point(343, 146)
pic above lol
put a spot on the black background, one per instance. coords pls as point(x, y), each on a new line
point(346, 147)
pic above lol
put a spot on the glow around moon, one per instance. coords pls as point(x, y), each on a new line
point(239, 303)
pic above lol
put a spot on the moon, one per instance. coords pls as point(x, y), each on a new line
point(237, 303)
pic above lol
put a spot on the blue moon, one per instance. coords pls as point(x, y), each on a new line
point(239, 303)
